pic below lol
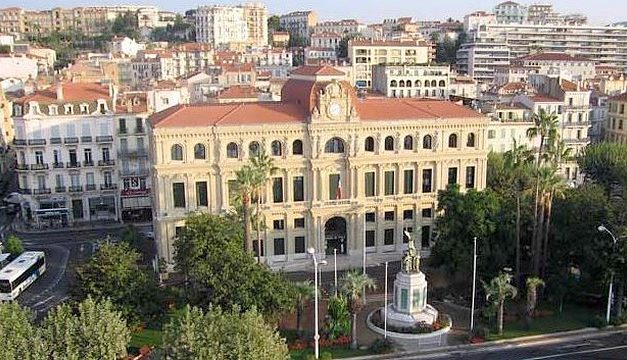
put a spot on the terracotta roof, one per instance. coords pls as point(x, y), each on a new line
point(621, 97)
point(317, 70)
point(246, 67)
point(545, 99)
point(203, 115)
point(132, 103)
point(239, 92)
point(551, 57)
point(305, 92)
point(404, 109)
point(513, 87)
point(569, 86)
point(72, 92)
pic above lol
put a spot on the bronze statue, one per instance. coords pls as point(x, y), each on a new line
point(411, 259)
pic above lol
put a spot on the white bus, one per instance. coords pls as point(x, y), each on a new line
point(4, 259)
point(20, 274)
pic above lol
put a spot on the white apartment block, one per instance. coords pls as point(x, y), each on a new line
point(66, 155)
point(329, 40)
point(299, 23)
point(412, 81)
point(268, 57)
point(510, 12)
point(342, 27)
point(225, 26)
point(317, 55)
point(508, 126)
point(480, 59)
point(364, 54)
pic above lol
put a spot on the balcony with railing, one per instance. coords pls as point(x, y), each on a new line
point(86, 139)
point(75, 188)
point(57, 165)
point(19, 142)
point(71, 140)
point(37, 142)
point(108, 186)
point(104, 139)
point(109, 162)
point(90, 187)
point(21, 167)
point(134, 172)
point(133, 153)
point(25, 191)
point(140, 130)
point(40, 166)
point(56, 140)
point(88, 163)
point(71, 165)
point(60, 189)
point(41, 191)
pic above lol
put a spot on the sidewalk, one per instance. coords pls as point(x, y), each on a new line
point(20, 229)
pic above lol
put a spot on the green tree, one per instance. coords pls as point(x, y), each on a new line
point(342, 47)
point(605, 164)
point(222, 335)
point(13, 245)
point(304, 291)
point(498, 290)
point(94, 330)
point(264, 168)
point(125, 25)
point(113, 273)
point(20, 339)
point(274, 23)
point(533, 283)
point(354, 284)
point(246, 182)
point(338, 322)
point(209, 252)
point(5, 49)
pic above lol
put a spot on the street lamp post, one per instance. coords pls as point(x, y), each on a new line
point(602, 228)
point(474, 284)
point(385, 307)
point(311, 251)
point(335, 269)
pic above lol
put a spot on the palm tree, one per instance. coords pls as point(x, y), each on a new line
point(533, 283)
point(304, 292)
point(498, 290)
point(545, 126)
point(353, 285)
point(547, 180)
point(263, 165)
point(245, 185)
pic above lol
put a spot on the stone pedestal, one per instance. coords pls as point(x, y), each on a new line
point(410, 301)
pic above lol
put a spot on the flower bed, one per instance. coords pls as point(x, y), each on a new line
point(301, 344)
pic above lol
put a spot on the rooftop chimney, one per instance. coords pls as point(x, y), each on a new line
point(59, 86)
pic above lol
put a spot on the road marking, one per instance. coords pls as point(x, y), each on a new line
point(43, 301)
point(577, 353)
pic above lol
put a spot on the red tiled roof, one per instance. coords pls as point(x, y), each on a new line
point(239, 92)
point(404, 109)
point(317, 70)
point(569, 85)
point(551, 57)
point(621, 97)
point(203, 115)
point(513, 86)
point(243, 67)
point(545, 99)
point(72, 92)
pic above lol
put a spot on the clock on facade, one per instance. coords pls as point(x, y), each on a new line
point(335, 109)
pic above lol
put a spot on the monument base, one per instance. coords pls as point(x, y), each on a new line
point(401, 320)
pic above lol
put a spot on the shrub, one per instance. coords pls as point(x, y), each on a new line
point(381, 346)
point(338, 322)
point(598, 322)
point(326, 356)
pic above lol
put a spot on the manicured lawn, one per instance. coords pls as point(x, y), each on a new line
point(572, 318)
point(338, 353)
point(146, 337)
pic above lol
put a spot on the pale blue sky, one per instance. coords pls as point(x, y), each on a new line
point(598, 11)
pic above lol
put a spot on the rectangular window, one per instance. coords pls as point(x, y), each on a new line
point(426, 236)
point(56, 156)
point(73, 158)
point(201, 194)
point(334, 183)
point(75, 180)
point(178, 194)
point(452, 175)
point(299, 189)
point(369, 183)
point(389, 182)
point(77, 208)
point(59, 180)
point(106, 155)
point(491, 134)
point(409, 181)
point(39, 157)
point(277, 190)
point(408, 214)
point(278, 224)
point(388, 237)
point(279, 246)
point(299, 244)
point(122, 126)
point(89, 177)
point(427, 175)
point(427, 213)
point(370, 217)
point(470, 177)
point(88, 158)
point(299, 223)
point(370, 238)
point(388, 216)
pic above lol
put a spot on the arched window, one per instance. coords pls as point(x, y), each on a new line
point(426, 142)
point(297, 147)
point(369, 144)
point(417, 83)
point(434, 83)
point(276, 148)
point(200, 152)
point(389, 143)
point(177, 152)
point(232, 152)
point(408, 82)
point(393, 83)
point(408, 143)
point(442, 83)
point(254, 149)
point(452, 141)
point(401, 83)
point(334, 146)
point(471, 140)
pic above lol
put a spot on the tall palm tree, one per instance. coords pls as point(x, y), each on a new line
point(264, 167)
point(353, 285)
point(545, 127)
point(533, 283)
point(304, 292)
point(245, 185)
point(497, 291)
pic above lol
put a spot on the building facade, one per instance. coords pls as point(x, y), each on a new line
point(353, 173)
point(66, 155)
point(616, 124)
point(412, 81)
point(221, 26)
point(299, 23)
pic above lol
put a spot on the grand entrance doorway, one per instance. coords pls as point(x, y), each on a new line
point(335, 235)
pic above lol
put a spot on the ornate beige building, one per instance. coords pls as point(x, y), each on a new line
point(616, 124)
point(351, 172)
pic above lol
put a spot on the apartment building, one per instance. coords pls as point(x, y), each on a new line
point(7, 131)
point(421, 81)
point(354, 174)
point(599, 108)
point(480, 59)
point(508, 127)
point(510, 12)
point(326, 40)
point(256, 15)
point(342, 27)
point(66, 155)
point(221, 26)
point(616, 124)
point(299, 23)
point(364, 54)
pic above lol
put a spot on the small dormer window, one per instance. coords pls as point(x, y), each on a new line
point(53, 110)
point(135, 101)
point(34, 109)
point(102, 106)
point(84, 109)
point(69, 109)
point(17, 110)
